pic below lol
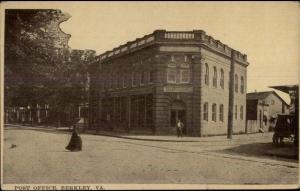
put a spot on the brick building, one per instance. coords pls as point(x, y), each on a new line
point(147, 84)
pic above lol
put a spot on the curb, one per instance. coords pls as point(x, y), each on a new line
point(51, 128)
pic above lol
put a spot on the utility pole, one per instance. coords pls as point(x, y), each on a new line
point(231, 96)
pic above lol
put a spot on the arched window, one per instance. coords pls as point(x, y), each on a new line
point(111, 80)
point(221, 112)
point(222, 79)
point(206, 77)
point(236, 83)
point(215, 77)
point(242, 84)
point(214, 112)
point(205, 111)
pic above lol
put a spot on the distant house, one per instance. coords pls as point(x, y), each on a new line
point(262, 109)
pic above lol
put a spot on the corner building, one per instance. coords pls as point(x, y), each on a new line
point(147, 84)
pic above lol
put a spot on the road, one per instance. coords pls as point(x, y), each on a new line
point(39, 157)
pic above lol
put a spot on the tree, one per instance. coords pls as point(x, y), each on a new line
point(39, 65)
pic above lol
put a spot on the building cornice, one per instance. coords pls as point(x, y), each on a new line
point(195, 37)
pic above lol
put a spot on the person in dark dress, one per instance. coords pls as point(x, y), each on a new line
point(75, 143)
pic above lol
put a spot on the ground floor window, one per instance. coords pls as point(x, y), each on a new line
point(221, 113)
point(241, 112)
point(214, 112)
point(205, 111)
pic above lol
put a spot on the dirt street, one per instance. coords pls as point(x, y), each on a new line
point(33, 156)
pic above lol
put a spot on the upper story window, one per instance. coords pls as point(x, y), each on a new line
point(215, 77)
point(124, 76)
point(242, 84)
point(104, 80)
point(222, 79)
point(151, 76)
point(221, 113)
point(206, 77)
point(111, 81)
point(185, 76)
point(135, 78)
point(236, 83)
point(143, 77)
point(171, 76)
point(116, 80)
point(205, 111)
point(119, 80)
point(214, 112)
point(128, 79)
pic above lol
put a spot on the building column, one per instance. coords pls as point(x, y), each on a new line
point(231, 96)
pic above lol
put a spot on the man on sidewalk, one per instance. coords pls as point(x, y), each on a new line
point(179, 128)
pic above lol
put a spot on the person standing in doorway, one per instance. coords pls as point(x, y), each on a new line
point(179, 127)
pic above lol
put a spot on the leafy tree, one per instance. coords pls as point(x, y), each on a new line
point(39, 66)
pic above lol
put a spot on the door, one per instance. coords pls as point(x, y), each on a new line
point(182, 118)
point(178, 115)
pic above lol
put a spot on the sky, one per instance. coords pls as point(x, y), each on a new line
point(268, 32)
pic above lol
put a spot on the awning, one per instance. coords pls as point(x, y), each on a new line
point(286, 88)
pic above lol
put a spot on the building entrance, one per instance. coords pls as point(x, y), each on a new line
point(178, 112)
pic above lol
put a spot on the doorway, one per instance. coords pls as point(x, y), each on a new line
point(178, 112)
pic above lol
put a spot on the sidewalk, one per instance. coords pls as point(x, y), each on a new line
point(163, 138)
point(174, 138)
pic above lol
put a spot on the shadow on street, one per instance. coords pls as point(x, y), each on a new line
point(286, 152)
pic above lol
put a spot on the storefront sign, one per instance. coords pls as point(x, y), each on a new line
point(178, 89)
